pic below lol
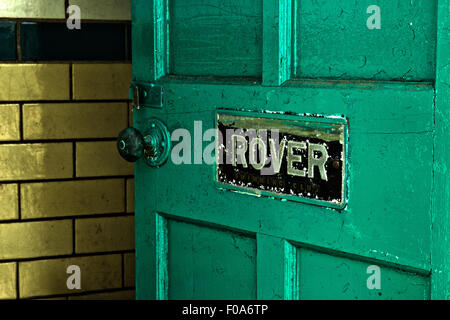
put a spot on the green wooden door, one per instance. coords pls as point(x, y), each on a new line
point(383, 70)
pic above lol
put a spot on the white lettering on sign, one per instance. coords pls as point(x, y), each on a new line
point(295, 158)
point(277, 157)
point(255, 145)
point(239, 151)
point(317, 155)
point(317, 162)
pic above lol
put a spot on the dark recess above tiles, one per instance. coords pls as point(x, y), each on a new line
point(47, 41)
point(8, 41)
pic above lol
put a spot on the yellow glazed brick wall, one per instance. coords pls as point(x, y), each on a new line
point(129, 265)
point(86, 120)
point(35, 161)
point(130, 195)
point(9, 207)
point(55, 9)
point(35, 239)
point(87, 85)
point(100, 159)
point(97, 273)
point(10, 122)
point(104, 234)
point(8, 280)
point(72, 198)
point(104, 9)
point(66, 197)
point(28, 82)
point(44, 9)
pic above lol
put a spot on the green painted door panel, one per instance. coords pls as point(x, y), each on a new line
point(204, 36)
point(324, 276)
point(208, 263)
point(197, 240)
point(334, 42)
point(390, 174)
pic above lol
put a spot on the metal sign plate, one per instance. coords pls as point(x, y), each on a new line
point(301, 158)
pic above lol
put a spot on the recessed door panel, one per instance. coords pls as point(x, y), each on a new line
point(216, 37)
point(210, 263)
point(324, 276)
point(335, 41)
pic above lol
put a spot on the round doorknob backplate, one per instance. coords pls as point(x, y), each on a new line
point(157, 141)
point(153, 144)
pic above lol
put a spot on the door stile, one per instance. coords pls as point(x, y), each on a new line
point(162, 259)
point(277, 269)
point(295, 12)
point(277, 41)
point(440, 254)
point(150, 62)
point(291, 272)
point(150, 33)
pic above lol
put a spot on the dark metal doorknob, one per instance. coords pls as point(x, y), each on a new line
point(153, 144)
point(130, 144)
